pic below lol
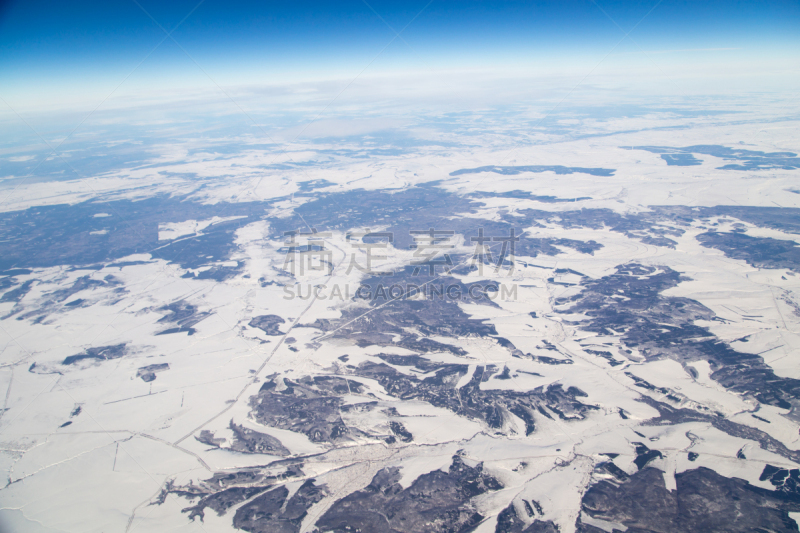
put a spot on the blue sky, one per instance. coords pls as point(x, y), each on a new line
point(51, 48)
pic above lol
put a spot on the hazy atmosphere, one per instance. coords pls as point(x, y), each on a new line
point(384, 267)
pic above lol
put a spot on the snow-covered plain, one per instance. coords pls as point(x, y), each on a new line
point(87, 444)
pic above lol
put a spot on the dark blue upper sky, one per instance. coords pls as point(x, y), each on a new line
point(47, 42)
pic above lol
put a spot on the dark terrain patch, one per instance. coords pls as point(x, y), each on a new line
point(493, 407)
point(182, 316)
point(681, 160)
point(436, 502)
point(654, 227)
point(784, 480)
point(99, 352)
point(703, 501)
point(644, 384)
point(608, 356)
point(427, 206)
point(207, 437)
point(509, 522)
point(314, 406)
point(746, 159)
point(225, 490)
point(310, 185)
point(311, 406)
point(268, 324)
point(514, 170)
point(16, 272)
point(7, 282)
point(669, 415)
point(629, 302)
point(87, 283)
point(608, 467)
point(533, 247)
point(18, 293)
point(527, 195)
point(247, 440)
point(61, 235)
point(408, 323)
point(221, 502)
point(644, 455)
point(418, 208)
point(660, 223)
point(51, 301)
point(400, 431)
point(780, 218)
point(275, 512)
point(45, 236)
point(760, 252)
point(148, 373)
